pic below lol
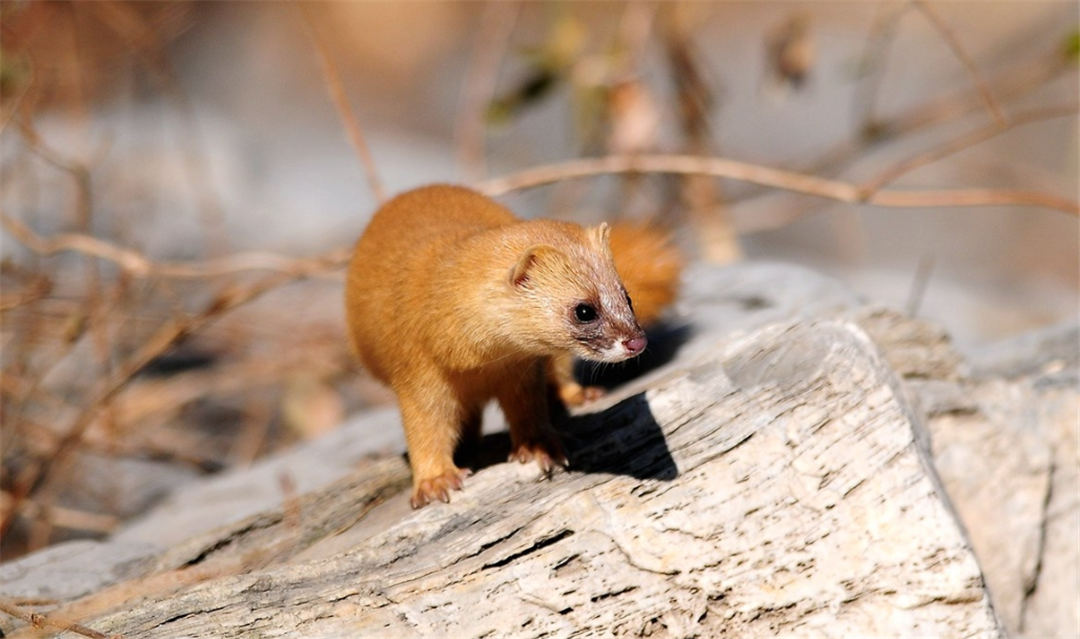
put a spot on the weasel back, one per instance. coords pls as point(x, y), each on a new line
point(405, 245)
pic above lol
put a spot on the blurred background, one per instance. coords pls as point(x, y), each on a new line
point(182, 181)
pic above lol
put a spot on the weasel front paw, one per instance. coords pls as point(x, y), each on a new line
point(428, 490)
point(573, 394)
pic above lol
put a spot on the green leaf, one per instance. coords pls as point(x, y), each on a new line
point(14, 71)
point(1070, 48)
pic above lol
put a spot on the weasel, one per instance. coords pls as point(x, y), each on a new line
point(453, 301)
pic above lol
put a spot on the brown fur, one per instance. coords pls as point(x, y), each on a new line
point(452, 301)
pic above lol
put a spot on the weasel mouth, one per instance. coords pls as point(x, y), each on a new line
point(615, 350)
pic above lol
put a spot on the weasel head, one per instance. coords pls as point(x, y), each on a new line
point(572, 298)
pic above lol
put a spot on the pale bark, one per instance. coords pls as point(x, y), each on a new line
point(779, 484)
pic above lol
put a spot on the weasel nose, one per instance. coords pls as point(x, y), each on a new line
point(635, 345)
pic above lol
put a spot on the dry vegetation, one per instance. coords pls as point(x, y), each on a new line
point(110, 354)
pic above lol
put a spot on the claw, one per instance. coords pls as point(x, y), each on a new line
point(428, 490)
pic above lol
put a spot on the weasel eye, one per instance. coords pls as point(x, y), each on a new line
point(629, 302)
point(585, 313)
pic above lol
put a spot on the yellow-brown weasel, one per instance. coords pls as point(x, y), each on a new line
point(453, 301)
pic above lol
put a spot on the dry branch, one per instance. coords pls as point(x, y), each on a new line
point(38, 620)
point(36, 472)
point(1010, 84)
point(878, 43)
point(145, 41)
point(949, 147)
point(776, 178)
point(478, 90)
point(138, 265)
point(958, 50)
point(341, 103)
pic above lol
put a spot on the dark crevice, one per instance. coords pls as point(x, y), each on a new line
point(495, 542)
point(1030, 588)
point(258, 524)
point(540, 545)
point(565, 561)
point(614, 593)
point(187, 614)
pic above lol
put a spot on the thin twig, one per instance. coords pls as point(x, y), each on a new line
point(37, 290)
point(164, 339)
point(94, 299)
point(291, 505)
point(705, 200)
point(341, 102)
point(138, 265)
point(918, 285)
point(15, 104)
point(958, 50)
point(765, 176)
point(38, 620)
point(880, 41)
point(496, 26)
point(950, 147)
point(1010, 84)
point(71, 518)
point(144, 40)
point(636, 24)
point(41, 526)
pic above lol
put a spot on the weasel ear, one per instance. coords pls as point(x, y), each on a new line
point(531, 259)
point(601, 235)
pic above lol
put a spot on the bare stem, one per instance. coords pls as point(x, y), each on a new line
point(958, 50)
point(766, 176)
point(160, 342)
point(341, 102)
point(138, 265)
point(38, 620)
point(492, 41)
point(880, 41)
point(950, 147)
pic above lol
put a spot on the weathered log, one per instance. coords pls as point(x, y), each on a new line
point(774, 479)
point(781, 484)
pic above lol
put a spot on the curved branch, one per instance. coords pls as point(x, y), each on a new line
point(766, 176)
point(977, 136)
point(958, 50)
point(341, 103)
point(138, 265)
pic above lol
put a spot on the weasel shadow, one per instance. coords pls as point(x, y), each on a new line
point(665, 340)
point(625, 439)
point(622, 440)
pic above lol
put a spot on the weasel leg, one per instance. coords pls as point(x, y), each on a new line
point(432, 422)
point(523, 400)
